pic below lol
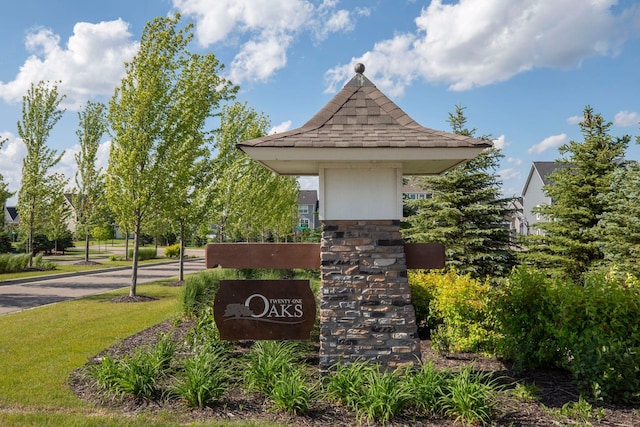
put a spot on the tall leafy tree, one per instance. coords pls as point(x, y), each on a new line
point(89, 196)
point(199, 90)
point(466, 212)
point(144, 116)
point(40, 113)
point(252, 202)
point(569, 245)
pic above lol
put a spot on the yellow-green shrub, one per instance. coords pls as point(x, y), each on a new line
point(457, 310)
point(172, 251)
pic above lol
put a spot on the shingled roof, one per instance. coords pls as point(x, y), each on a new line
point(361, 117)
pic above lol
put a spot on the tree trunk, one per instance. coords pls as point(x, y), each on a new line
point(134, 263)
point(86, 247)
point(126, 245)
point(181, 255)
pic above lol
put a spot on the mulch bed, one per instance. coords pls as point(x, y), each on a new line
point(555, 388)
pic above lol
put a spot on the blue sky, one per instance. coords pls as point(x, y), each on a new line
point(524, 69)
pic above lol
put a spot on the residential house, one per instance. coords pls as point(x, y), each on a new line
point(308, 210)
point(11, 219)
point(534, 196)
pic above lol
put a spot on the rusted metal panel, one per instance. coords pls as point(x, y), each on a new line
point(305, 255)
point(264, 309)
point(263, 255)
point(424, 255)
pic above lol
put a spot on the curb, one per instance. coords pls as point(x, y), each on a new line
point(79, 273)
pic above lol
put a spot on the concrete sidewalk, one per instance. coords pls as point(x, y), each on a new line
point(21, 294)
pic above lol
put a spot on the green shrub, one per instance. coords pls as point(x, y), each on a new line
point(422, 293)
point(458, 307)
point(144, 253)
point(136, 374)
point(470, 397)
point(344, 384)
point(13, 263)
point(172, 251)
point(425, 386)
point(205, 377)
point(266, 361)
point(5, 244)
point(198, 290)
point(598, 334)
point(383, 395)
point(291, 391)
point(524, 311)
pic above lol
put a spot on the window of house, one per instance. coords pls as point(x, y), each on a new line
point(303, 209)
point(303, 223)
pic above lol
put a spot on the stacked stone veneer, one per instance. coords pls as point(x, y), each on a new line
point(365, 310)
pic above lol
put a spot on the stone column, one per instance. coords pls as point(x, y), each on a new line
point(365, 309)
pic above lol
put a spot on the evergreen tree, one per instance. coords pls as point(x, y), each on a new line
point(466, 213)
point(40, 113)
point(569, 243)
point(619, 227)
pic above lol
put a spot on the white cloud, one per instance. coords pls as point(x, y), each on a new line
point(11, 154)
point(282, 127)
point(574, 120)
point(471, 43)
point(509, 174)
point(500, 142)
point(553, 141)
point(92, 63)
point(308, 182)
point(264, 29)
point(626, 118)
point(514, 161)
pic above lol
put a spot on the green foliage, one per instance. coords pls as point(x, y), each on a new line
point(198, 290)
point(13, 263)
point(267, 361)
point(40, 191)
point(144, 253)
point(590, 329)
point(524, 310)
point(384, 395)
point(172, 251)
point(204, 378)
point(598, 334)
point(344, 384)
point(136, 374)
point(470, 397)
point(292, 391)
point(252, 203)
point(466, 213)
point(618, 231)
point(423, 288)
point(426, 388)
point(5, 243)
point(457, 309)
point(570, 242)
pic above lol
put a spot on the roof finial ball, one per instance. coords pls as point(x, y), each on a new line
point(359, 68)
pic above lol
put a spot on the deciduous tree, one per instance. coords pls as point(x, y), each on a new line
point(40, 113)
point(88, 198)
point(252, 202)
point(146, 118)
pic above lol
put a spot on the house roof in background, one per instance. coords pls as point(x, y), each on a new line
point(307, 197)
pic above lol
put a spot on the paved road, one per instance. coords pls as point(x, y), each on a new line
point(22, 294)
